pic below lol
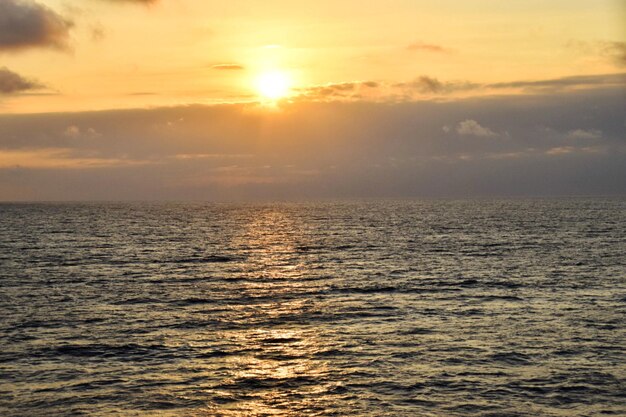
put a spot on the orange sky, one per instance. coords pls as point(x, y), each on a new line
point(125, 54)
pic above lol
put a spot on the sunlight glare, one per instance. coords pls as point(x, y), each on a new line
point(273, 85)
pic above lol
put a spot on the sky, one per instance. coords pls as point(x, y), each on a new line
point(208, 100)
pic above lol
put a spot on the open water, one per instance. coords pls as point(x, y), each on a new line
point(388, 308)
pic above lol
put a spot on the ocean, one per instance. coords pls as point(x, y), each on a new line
point(510, 307)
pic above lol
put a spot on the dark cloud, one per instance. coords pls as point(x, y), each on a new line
point(228, 67)
point(428, 47)
point(25, 24)
point(11, 82)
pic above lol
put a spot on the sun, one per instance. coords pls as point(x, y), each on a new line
point(273, 85)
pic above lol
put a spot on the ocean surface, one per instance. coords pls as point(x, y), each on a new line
point(388, 308)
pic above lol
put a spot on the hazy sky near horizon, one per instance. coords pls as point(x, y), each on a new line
point(141, 99)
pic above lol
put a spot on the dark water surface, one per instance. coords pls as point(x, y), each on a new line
point(433, 308)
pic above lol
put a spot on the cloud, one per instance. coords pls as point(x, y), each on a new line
point(577, 81)
point(228, 67)
point(427, 85)
point(430, 85)
point(75, 132)
point(26, 24)
point(187, 156)
point(318, 149)
point(584, 134)
point(11, 82)
point(142, 93)
point(428, 47)
point(339, 91)
point(616, 51)
point(560, 150)
point(98, 33)
point(58, 159)
point(72, 132)
point(473, 128)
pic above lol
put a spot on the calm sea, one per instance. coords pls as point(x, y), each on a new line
point(424, 308)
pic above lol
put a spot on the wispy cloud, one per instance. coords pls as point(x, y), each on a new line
point(55, 158)
point(431, 85)
point(614, 51)
point(427, 87)
point(576, 81)
point(427, 47)
point(585, 134)
point(142, 93)
point(560, 150)
point(343, 90)
point(228, 67)
point(190, 156)
point(27, 24)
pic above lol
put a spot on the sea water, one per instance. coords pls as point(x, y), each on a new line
point(373, 308)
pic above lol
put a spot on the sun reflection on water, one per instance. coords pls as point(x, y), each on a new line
point(277, 369)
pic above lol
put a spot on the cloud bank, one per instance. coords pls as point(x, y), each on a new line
point(552, 144)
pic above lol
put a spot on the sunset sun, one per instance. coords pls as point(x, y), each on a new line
point(273, 85)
